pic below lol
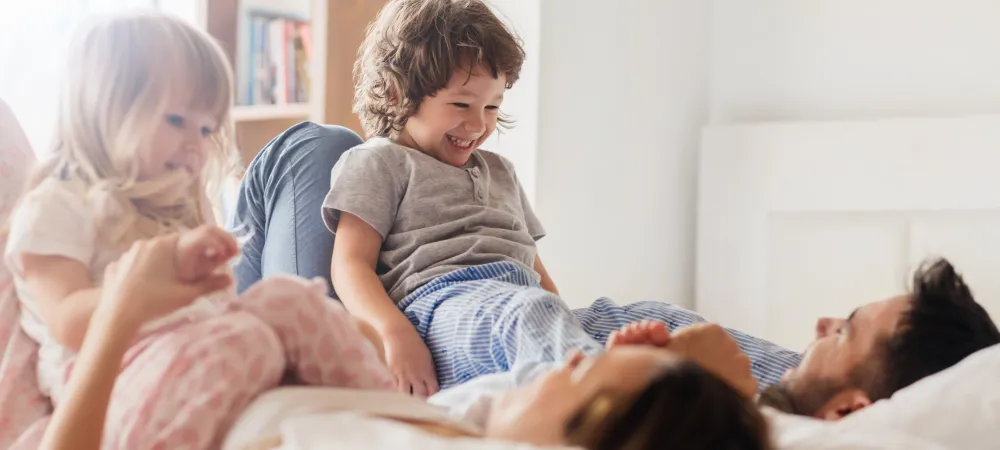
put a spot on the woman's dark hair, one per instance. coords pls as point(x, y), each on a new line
point(684, 408)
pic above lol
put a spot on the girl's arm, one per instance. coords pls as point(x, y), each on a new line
point(546, 281)
point(65, 294)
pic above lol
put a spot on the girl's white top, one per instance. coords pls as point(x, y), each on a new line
point(57, 218)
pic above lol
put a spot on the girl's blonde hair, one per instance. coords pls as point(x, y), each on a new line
point(123, 71)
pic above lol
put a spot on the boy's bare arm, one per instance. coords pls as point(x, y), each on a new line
point(546, 280)
point(355, 255)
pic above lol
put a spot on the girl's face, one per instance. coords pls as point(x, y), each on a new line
point(539, 412)
point(180, 143)
point(452, 123)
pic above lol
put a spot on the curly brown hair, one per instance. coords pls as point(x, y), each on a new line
point(412, 49)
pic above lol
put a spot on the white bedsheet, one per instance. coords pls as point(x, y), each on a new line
point(957, 408)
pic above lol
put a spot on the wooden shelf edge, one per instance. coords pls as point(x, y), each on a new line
point(254, 113)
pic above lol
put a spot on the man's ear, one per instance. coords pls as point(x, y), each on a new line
point(843, 404)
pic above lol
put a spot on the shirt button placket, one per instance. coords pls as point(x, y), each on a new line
point(477, 182)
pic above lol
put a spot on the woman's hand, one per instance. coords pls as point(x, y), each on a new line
point(141, 286)
point(715, 350)
point(410, 362)
point(203, 250)
point(145, 284)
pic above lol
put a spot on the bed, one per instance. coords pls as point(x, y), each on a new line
point(798, 220)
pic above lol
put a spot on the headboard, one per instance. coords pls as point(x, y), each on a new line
point(802, 220)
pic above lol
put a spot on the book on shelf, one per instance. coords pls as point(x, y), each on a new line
point(274, 68)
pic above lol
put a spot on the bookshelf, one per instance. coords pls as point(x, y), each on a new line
point(321, 90)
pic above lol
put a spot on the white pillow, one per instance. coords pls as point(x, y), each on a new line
point(957, 408)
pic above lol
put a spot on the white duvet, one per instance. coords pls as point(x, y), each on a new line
point(957, 408)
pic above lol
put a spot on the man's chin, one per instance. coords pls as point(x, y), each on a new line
point(779, 397)
point(802, 397)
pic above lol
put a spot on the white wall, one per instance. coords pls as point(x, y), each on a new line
point(853, 59)
point(520, 143)
point(626, 86)
point(621, 99)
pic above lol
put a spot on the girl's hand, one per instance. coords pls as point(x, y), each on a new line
point(144, 283)
point(202, 250)
point(410, 362)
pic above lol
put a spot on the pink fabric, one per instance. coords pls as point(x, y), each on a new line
point(21, 403)
point(184, 387)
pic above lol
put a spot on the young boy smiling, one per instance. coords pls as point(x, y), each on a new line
point(434, 237)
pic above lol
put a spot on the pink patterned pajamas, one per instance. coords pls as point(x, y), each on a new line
point(183, 387)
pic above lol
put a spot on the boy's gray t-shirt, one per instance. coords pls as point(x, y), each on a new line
point(434, 218)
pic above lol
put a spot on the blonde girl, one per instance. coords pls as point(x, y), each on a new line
point(143, 131)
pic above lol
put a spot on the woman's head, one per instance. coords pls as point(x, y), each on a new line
point(632, 397)
point(144, 117)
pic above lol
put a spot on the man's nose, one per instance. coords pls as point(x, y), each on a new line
point(827, 326)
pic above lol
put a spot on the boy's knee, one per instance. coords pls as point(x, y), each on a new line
point(336, 136)
point(318, 147)
point(307, 149)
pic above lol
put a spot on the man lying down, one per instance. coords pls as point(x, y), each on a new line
point(692, 388)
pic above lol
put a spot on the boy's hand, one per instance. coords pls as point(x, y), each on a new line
point(144, 283)
point(202, 250)
point(410, 362)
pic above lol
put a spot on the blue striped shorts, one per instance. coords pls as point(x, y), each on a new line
point(496, 318)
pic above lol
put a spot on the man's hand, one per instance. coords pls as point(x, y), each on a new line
point(711, 347)
point(203, 250)
point(144, 283)
point(410, 362)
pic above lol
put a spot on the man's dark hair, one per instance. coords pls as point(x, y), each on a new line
point(942, 326)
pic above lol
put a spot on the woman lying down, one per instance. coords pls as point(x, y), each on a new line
point(636, 395)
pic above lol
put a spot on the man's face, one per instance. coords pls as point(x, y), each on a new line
point(841, 347)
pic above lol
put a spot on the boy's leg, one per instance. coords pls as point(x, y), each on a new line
point(768, 360)
point(322, 342)
point(279, 203)
point(475, 326)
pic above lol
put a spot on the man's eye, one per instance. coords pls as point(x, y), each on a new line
point(461, 105)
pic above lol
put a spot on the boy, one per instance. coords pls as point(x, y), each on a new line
point(434, 238)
